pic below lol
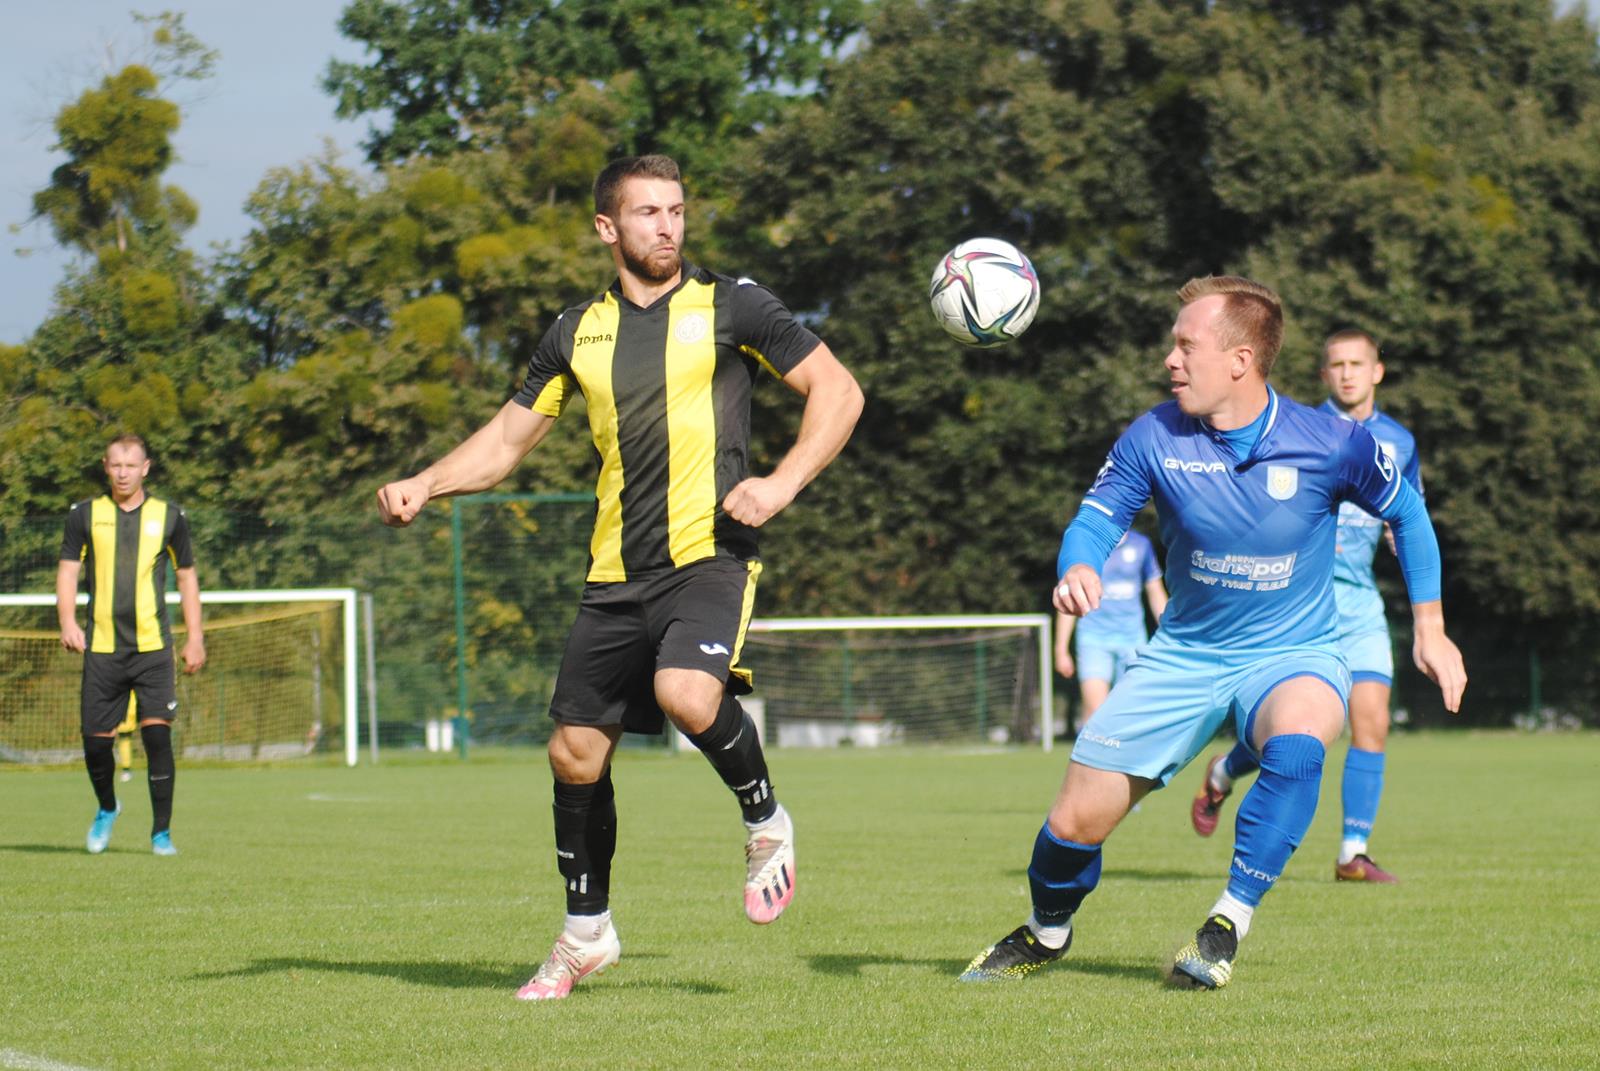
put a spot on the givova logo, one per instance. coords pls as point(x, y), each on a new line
point(1252, 872)
point(1203, 468)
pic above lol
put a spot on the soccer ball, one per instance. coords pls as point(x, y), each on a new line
point(984, 292)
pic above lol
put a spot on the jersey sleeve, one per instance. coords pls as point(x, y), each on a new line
point(1151, 569)
point(178, 543)
point(764, 329)
point(1367, 476)
point(549, 384)
point(75, 535)
point(1122, 486)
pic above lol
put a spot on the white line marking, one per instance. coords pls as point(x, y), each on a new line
point(21, 1061)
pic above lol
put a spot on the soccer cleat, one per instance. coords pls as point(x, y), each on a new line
point(570, 962)
point(1207, 961)
point(1362, 868)
point(769, 866)
point(1208, 801)
point(1016, 954)
point(100, 830)
point(162, 844)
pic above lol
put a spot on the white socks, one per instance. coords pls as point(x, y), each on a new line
point(1052, 937)
point(1219, 779)
point(1351, 847)
point(1235, 911)
point(587, 929)
point(779, 817)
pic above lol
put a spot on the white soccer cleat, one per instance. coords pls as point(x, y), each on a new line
point(769, 856)
point(570, 962)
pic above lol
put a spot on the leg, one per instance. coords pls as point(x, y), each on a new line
point(103, 703)
point(157, 738)
point(1362, 787)
point(586, 839)
point(1094, 692)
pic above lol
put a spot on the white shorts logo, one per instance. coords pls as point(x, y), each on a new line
point(691, 328)
point(1282, 481)
point(713, 648)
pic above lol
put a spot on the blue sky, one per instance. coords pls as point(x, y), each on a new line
point(262, 109)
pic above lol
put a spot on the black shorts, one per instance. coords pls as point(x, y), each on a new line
point(692, 617)
point(108, 678)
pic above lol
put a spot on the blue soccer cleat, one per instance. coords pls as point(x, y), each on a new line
point(161, 843)
point(100, 830)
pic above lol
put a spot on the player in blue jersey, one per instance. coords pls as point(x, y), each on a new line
point(1109, 638)
point(1247, 486)
point(1352, 370)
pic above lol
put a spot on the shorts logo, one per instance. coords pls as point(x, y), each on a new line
point(691, 328)
point(1282, 481)
point(172, 705)
point(1096, 738)
point(714, 648)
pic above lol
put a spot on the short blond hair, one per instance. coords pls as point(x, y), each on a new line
point(1252, 315)
point(1351, 334)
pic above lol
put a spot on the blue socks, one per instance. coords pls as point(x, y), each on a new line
point(1361, 790)
point(1240, 761)
point(1274, 815)
point(1060, 875)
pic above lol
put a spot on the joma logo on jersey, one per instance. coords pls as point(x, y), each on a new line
point(1205, 468)
point(585, 340)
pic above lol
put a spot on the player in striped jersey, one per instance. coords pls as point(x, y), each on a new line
point(665, 359)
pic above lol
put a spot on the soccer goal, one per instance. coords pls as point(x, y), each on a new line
point(884, 681)
point(279, 682)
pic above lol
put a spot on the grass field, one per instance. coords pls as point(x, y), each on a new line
point(382, 917)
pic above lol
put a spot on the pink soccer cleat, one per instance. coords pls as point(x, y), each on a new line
point(572, 961)
point(1362, 868)
point(769, 856)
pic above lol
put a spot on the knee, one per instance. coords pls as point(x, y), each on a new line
point(576, 760)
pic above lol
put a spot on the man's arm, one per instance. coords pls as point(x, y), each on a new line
point(194, 647)
point(1064, 625)
point(72, 637)
point(1155, 592)
point(833, 405)
point(477, 464)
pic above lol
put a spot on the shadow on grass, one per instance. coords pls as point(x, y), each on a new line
point(478, 975)
point(54, 849)
point(849, 965)
point(1137, 874)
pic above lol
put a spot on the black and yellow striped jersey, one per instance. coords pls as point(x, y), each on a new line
point(125, 554)
point(668, 392)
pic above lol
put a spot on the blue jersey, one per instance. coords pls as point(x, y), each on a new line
point(1359, 530)
point(1250, 544)
point(1119, 622)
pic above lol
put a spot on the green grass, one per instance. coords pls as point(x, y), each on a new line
point(382, 917)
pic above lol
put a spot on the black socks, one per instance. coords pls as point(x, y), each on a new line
point(163, 770)
point(734, 751)
point(102, 765)
point(586, 839)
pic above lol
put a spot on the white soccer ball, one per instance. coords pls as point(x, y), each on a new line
point(984, 292)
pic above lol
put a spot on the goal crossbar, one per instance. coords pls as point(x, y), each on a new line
point(346, 597)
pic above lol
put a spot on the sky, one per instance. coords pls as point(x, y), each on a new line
point(262, 108)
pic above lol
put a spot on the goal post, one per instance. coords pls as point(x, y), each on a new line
point(264, 641)
point(872, 681)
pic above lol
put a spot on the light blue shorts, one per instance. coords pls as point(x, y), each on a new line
point(1364, 634)
point(1101, 663)
point(1173, 699)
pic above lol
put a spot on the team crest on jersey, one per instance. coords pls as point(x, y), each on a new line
point(1385, 461)
point(691, 328)
point(1282, 481)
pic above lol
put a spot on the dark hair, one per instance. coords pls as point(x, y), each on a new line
point(608, 184)
point(129, 439)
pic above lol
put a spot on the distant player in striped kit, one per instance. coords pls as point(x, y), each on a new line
point(124, 542)
point(1352, 368)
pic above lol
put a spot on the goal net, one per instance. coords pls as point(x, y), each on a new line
point(279, 680)
point(874, 682)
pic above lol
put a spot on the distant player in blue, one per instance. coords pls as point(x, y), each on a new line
point(1110, 637)
point(1352, 370)
point(1247, 486)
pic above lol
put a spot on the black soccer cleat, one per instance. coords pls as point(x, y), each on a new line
point(1016, 954)
point(1207, 961)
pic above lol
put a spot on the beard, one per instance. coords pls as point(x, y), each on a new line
point(652, 267)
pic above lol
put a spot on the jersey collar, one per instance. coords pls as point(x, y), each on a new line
point(686, 272)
